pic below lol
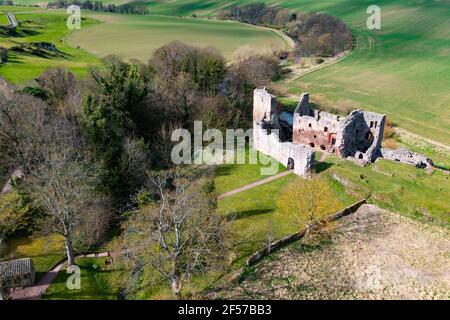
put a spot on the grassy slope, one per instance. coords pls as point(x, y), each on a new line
point(402, 70)
point(394, 186)
point(3, 19)
point(134, 36)
point(50, 27)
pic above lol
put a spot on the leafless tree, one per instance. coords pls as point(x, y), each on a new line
point(62, 90)
point(22, 120)
point(164, 144)
point(180, 235)
point(62, 178)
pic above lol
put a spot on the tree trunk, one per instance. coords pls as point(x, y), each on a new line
point(69, 251)
point(176, 287)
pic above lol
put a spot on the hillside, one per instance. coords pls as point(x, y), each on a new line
point(401, 70)
point(136, 36)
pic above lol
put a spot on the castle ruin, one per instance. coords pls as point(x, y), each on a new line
point(357, 136)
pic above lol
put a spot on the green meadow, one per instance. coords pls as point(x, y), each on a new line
point(129, 36)
point(136, 36)
point(394, 186)
point(43, 27)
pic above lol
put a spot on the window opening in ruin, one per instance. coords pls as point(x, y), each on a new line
point(322, 147)
point(333, 141)
point(376, 123)
point(368, 136)
point(361, 156)
point(309, 125)
point(371, 124)
point(311, 145)
point(291, 164)
point(325, 129)
point(315, 136)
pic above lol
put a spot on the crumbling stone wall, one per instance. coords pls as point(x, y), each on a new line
point(358, 135)
point(266, 136)
point(315, 128)
point(292, 156)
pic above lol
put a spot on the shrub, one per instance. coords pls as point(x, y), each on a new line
point(308, 203)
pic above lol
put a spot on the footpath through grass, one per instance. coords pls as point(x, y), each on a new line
point(393, 186)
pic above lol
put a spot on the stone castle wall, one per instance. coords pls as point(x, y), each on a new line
point(358, 135)
point(266, 136)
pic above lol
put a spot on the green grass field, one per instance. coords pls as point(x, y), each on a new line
point(402, 70)
point(135, 36)
point(394, 186)
point(48, 27)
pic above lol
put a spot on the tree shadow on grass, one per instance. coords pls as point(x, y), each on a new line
point(322, 166)
point(246, 214)
point(223, 170)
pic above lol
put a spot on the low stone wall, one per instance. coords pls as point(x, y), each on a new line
point(406, 156)
point(274, 246)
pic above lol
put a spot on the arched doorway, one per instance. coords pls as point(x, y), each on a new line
point(290, 164)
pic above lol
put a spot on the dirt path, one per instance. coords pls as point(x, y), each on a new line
point(299, 71)
point(254, 184)
point(372, 254)
point(35, 292)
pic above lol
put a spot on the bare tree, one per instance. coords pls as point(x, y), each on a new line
point(180, 235)
point(22, 120)
point(62, 90)
point(62, 179)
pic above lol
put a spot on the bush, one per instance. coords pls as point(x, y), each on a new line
point(318, 34)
